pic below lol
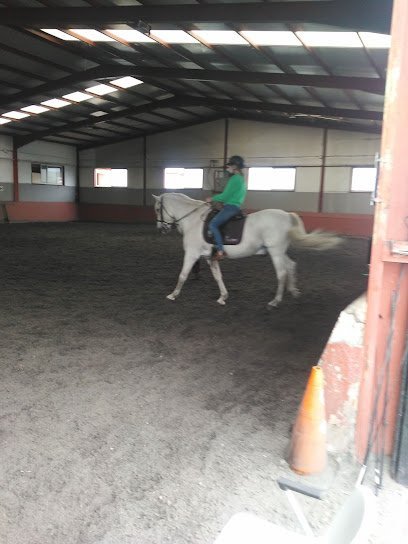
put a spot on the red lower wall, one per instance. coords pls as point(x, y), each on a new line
point(116, 213)
point(41, 211)
point(348, 224)
point(343, 223)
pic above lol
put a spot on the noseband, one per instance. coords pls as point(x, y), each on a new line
point(174, 223)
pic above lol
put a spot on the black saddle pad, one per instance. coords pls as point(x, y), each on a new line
point(231, 231)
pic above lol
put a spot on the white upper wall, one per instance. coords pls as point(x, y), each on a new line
point(351, 148)
point(267, 144)
point(189, 147)
point(47, 153)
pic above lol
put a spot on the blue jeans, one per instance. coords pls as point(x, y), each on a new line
point(220, 219)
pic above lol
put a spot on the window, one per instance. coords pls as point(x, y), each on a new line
point(363, 179)
point(43, 174)
point(183, 178)
point(110, 177)
point(271, 179)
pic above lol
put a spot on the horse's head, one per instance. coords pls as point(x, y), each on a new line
point(164, 220)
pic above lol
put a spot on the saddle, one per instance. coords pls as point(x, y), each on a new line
point(231, 231)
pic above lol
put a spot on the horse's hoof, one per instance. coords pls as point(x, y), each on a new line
point(273, 304)
point(221, 301)
point(295, 293)
point(171, 297)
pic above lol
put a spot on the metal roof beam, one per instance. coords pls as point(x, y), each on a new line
point(67, 127)
point(185, 124)
point(369, 84)
point(289, 109)
point(306, 122)
point(371, 15)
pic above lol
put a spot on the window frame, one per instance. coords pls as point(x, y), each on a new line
point(370, 191)
point(183, 188)
point(275, 168)
point(95, 176)
point(44, 165)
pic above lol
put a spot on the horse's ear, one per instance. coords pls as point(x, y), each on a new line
point(157, 198)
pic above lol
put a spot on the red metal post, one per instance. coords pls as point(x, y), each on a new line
point(226, 134)
point(16, 194)
point(389, 267)
point(322, 171)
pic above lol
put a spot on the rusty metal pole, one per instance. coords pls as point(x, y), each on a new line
point(226, 134)
point(389, 265)
point(323, 171)
point(144, 171)
point(16, 191)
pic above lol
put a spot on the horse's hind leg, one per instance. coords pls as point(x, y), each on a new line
point(189, 260)
point(279, 261)
point(291, 270)
point(216, 272)
point(196, 270)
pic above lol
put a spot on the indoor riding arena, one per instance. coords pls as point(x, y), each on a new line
point(129, 418)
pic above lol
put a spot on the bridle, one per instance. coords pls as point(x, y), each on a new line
point(168, 225)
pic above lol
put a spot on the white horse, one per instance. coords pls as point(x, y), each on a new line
point(266, 231)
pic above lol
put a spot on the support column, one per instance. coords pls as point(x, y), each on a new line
point(16, 191)
point(386, 327)
point(77, 172)
point(226, 133)
point(144, 171)
point(323, 171)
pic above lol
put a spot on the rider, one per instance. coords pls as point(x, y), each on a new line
point(232, 198)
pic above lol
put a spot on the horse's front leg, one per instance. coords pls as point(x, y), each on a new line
point(216, 272)
point(189, 260)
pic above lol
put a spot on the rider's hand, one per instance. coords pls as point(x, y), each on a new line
point(208, 199)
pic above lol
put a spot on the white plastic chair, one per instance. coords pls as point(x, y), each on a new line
point(351, 525)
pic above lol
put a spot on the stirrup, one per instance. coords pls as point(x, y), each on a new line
point(218, 255)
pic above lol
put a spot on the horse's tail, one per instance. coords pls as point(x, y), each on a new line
point(317, 239)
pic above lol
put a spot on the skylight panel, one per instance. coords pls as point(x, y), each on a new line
point(101, 89)
point(91, 34)
point(173, 36)
point(77, 96)
point(99, 113)
point(3, 120)
point(35, 109)
point(330, 39)
point(55, 103)
point(16, 114)
point(126, 82)
point(59, 34)
point(261, 37)
point(220, 37)
point(375, 41)
point(131, 36)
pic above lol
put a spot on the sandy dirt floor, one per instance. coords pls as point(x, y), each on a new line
point(127, 418)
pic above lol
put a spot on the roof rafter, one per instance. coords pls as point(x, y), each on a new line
point(369, 84)
point(316, 123)
point(145, 108)
point(286, 108)
point(372, 15)
point(185, 124)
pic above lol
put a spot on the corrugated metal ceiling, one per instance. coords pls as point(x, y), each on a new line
point(338, 87)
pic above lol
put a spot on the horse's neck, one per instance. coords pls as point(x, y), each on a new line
point(182, 205)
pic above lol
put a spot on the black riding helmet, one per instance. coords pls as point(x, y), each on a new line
point(237, 161)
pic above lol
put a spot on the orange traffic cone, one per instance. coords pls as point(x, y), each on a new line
point(307, 453)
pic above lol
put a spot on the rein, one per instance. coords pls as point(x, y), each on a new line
point(176, 221)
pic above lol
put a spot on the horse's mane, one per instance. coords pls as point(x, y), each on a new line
point(186, 199)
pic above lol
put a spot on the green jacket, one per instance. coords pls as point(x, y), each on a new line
point(234, 192)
